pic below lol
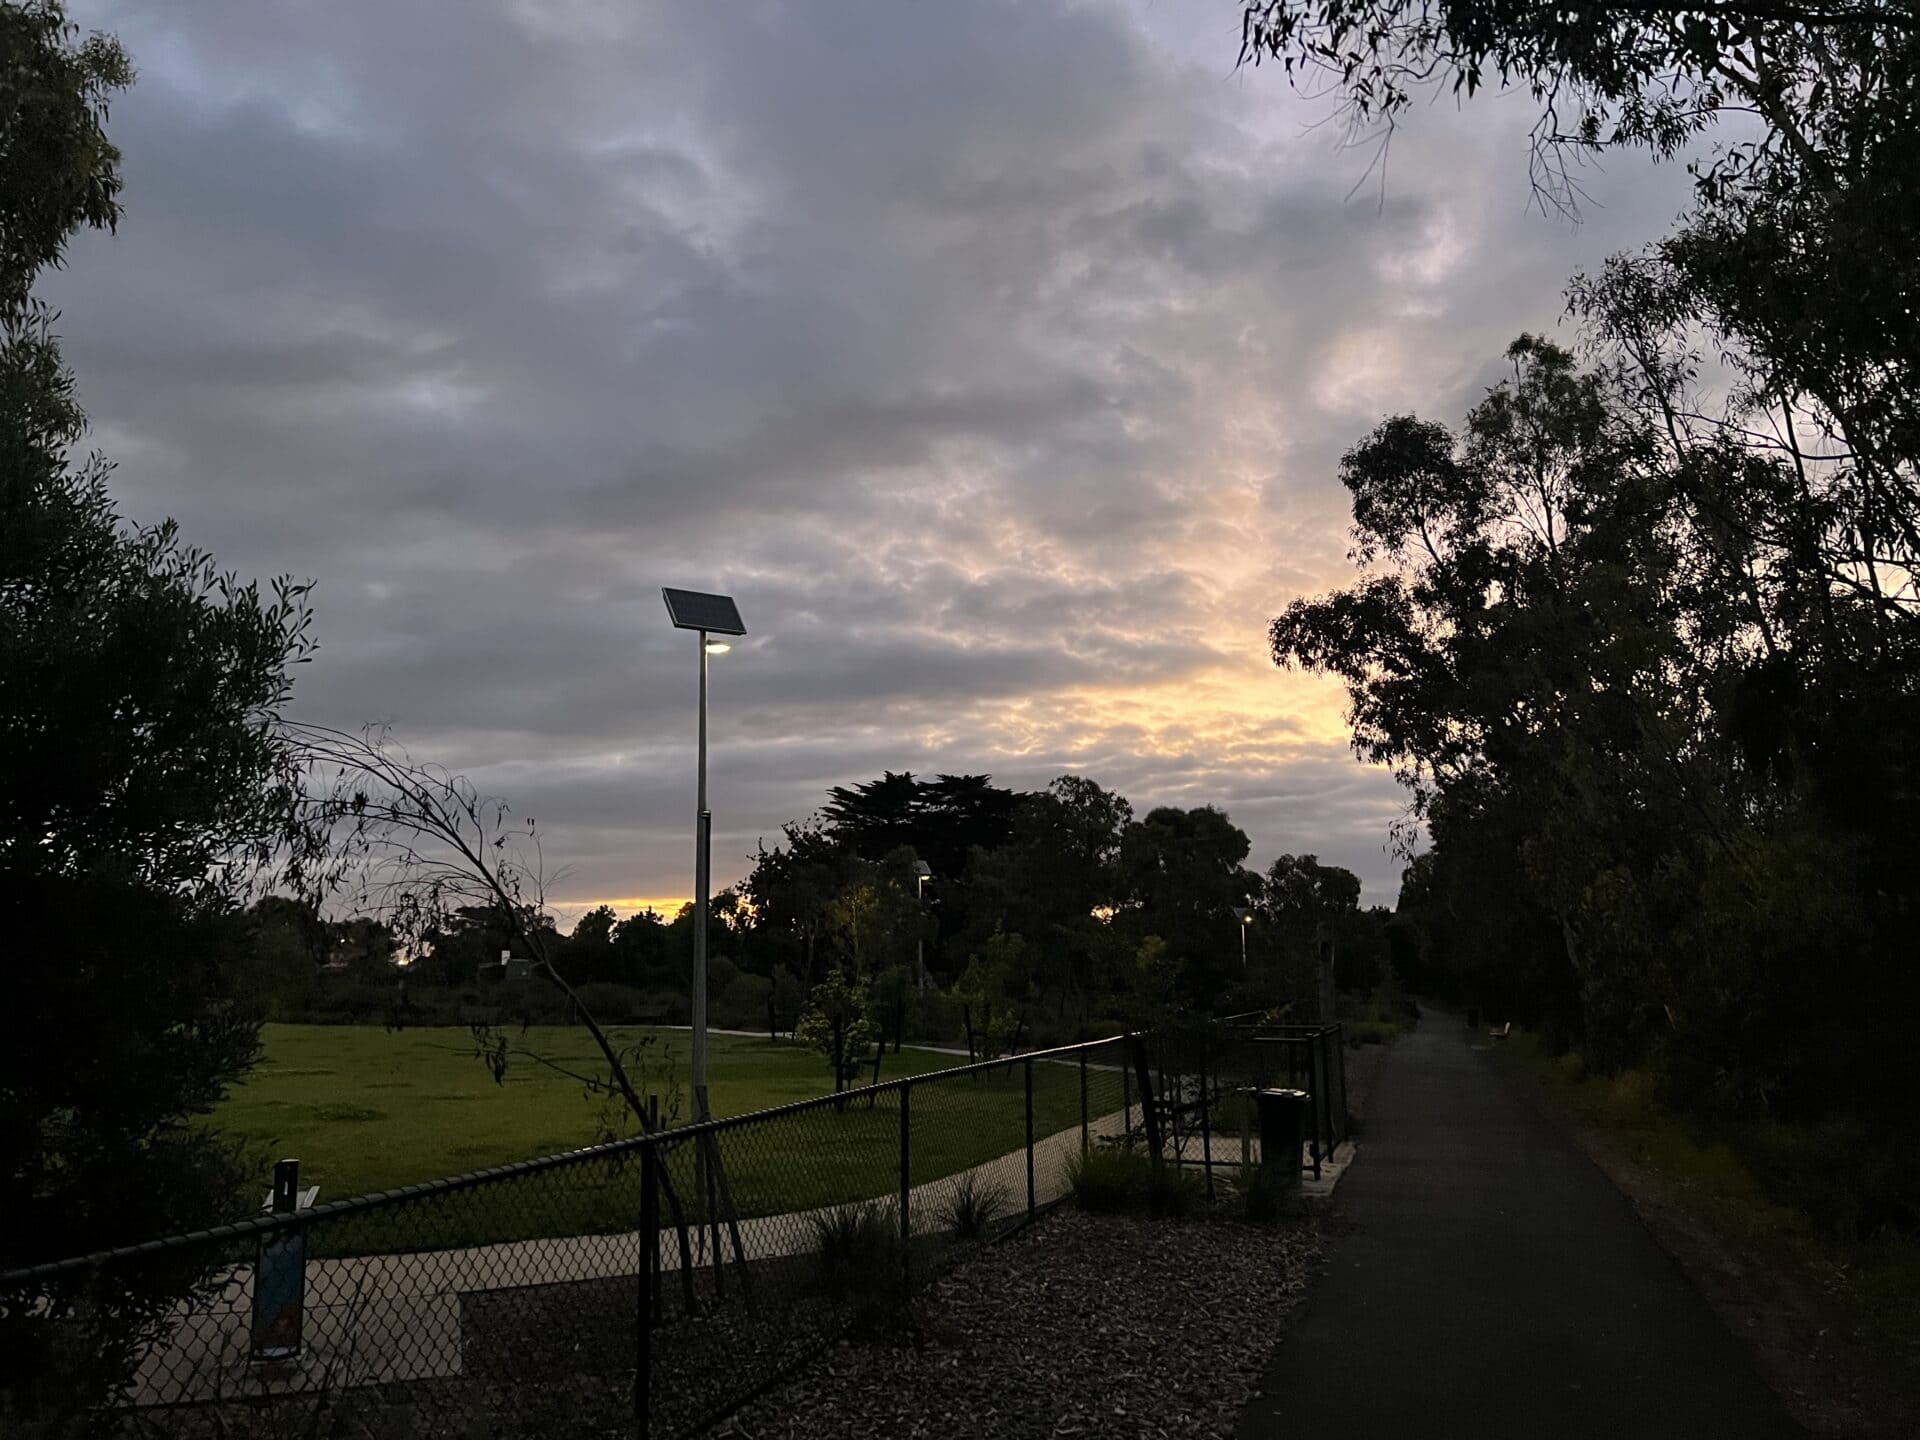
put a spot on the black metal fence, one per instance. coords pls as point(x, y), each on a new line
point(1202, 1079)
point(648, 1286)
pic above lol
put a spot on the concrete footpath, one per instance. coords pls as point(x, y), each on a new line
point(1484, 1279)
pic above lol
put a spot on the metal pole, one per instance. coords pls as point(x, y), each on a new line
point(1030, 1193)
point(920, 940)
point(702, 858)
point(1206, 1121)
point(647, 1298)
point(906, 1186)
point(1243, 946)
point(1086, 1142)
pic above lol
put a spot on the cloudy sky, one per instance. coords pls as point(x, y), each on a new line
point(996, 356)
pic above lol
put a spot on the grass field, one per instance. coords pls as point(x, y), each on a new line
point(364, 1110)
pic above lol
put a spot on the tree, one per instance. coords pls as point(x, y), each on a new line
point(146, 783)
point(285, 942)
point(1640, 74)
point(1182, 877)
point(876, 816)
point(426, 850)
point(995, 991)
point(1312, 909)
point(1300, 886)
point(1052, 879)
point(790, 890)
point(1629, 734)
point(836, 1024)
point(147, 787)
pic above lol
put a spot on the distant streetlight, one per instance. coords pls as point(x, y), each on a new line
point(1245, 917)
point(709, 615)
point(922, 872)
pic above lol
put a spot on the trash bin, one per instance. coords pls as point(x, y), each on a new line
point(1283, 1127)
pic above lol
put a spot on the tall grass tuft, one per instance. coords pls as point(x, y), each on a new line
point(856, 1247)
point(972, 1205)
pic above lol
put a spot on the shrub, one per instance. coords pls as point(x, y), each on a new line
point(1172, 1191)
point(743, 1006)
point(1108, 1179)
point(1263, 1193)
point(1112, 1178)
point(972, 1206)
point(1853, 1180)
point(613, 1004)
point(857, 1248)
point(935, 1017)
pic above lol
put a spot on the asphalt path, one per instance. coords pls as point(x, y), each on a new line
point(1485, 1279)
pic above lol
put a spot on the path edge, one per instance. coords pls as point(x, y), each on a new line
point(1833, 1390)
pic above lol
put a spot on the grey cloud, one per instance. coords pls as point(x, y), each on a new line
point(940, 335)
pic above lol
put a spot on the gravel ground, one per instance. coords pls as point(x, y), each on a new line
point(1081, 1325)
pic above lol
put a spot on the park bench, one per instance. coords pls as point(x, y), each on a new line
point(1502, 1033)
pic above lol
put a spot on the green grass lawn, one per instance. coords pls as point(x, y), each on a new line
point(365, 1109)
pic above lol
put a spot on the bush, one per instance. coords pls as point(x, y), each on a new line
point(1853, 1180)
point(1109, 1179)
point(857, 1248)
point(613, 1004)
point(1117, 1178)
point(934, 1017)
point(972, 1206)
point(1263, 1193)
point(744, 1004)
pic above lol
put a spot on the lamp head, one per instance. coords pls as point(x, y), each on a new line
point(718, 647)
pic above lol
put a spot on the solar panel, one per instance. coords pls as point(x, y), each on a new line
point(695, 610)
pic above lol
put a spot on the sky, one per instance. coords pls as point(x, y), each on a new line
point(997, 357)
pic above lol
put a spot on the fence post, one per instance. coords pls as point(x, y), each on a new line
point(906, 1186)
point(1317, 1078)
point(1086, 1139)
point(1206, 1119)
point(653, 1255)
point(649, 1264)
point(1149, 1121)
point(1340, 1085)
point(1027, 1065)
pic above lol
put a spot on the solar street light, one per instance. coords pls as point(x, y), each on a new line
point(708, 615)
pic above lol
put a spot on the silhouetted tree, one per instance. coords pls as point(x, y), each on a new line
point(146, 784)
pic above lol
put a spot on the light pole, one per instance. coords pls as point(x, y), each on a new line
point(922, 872)
point(1245, 917)
point(709, 615)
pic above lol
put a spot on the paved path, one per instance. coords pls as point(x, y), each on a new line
point(1489, 1281)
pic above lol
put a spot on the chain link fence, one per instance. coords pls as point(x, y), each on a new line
point(648, 1286)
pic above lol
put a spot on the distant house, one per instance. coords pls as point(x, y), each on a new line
point(507, 970)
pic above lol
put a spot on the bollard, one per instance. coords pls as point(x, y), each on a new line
point(280, 1277)
point(1282, 1125)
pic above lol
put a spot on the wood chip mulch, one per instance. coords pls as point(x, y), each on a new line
point(1081, 1325)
